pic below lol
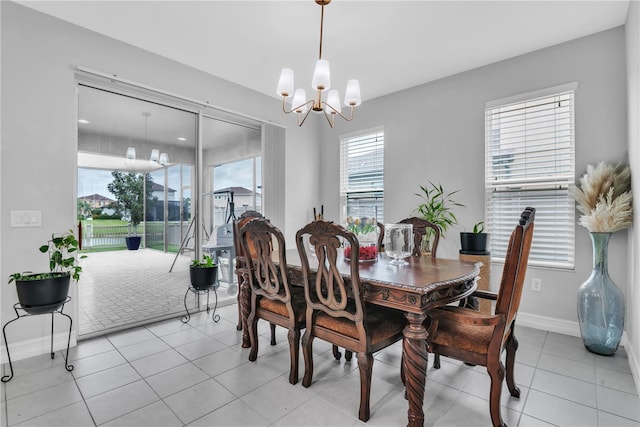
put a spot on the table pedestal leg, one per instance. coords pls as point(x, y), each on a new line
point(414, 348)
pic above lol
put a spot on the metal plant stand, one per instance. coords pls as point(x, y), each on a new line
point(55, 309)
point(215, 317)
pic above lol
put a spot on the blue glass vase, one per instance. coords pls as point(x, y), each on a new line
point(600, 303)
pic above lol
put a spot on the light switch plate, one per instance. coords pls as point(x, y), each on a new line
point(26, 218)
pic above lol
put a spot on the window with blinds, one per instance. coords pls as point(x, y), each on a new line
point(530, 161)
point(362, 176)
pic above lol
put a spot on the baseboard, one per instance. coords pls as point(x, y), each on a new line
point(634, 364)
point(37, 346)
point(559, 326)
point(572, 328)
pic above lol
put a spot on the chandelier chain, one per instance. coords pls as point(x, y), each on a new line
point(321, 27)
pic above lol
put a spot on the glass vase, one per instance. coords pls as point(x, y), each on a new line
point(600, 303)
point(368, 243)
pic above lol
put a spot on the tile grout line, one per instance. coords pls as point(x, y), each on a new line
point(160, 399)
point(84, 400)
point(535, 368)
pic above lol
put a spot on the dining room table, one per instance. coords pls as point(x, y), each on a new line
point(423, 284)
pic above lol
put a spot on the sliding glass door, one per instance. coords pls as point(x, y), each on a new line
point(136, 169)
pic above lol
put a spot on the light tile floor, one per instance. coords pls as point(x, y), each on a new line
point(172, 374)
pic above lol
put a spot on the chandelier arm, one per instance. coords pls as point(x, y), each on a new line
point(324, 103)
point(304, 118)
point(293, 109)
point(330, 117)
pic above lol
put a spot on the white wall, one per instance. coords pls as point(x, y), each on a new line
point(39, 134)
point(436, 132)
point(632, 29)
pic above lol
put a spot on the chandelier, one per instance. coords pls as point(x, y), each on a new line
point(320, 83)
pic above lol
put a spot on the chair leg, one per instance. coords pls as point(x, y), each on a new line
point(496, 373)
point(252, 324)
point(273, 333)
point(239, 325)
point(512, 347)
point(348, 355)
point(307, 352)
point(436, 361)
point(365, 364)
point(294, 350)
point(336, 352)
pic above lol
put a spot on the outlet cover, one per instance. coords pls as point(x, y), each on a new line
point(26, 218)
point(536, 285)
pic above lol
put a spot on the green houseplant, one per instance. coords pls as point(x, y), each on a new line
point(203, 273)
point(436, 207)
point(45, 292)
point(474, 243)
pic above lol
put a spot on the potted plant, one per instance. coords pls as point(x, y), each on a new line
point(203, 273)
point(437, 209)
point(474, 243)
point(45, 292)
point(130, 191)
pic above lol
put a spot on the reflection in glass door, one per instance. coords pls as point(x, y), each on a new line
point(168, 212)
point(241, 179)
point(123, 136)
point(155, 230)
point(230, 153)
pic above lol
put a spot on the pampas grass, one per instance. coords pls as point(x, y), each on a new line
point(604, 198)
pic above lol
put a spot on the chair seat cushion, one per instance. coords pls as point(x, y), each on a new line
point(381, 324)
point(471, 338)
point(297, 301)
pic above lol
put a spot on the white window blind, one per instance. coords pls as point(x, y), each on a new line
point(530, 161)
point(362, 176)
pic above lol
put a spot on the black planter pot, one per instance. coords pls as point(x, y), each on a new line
point(473, 243)
point(43, 295)
point(203, 277)
point(133, 242)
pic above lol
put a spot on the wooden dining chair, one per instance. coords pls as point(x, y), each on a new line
point(380, 236)
point(272, 298)
point(336, 311)
point(240, 256)
point(420, 227)
point(380, 245)
point(478, 338)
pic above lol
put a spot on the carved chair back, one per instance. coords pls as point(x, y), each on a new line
point(237, 224)
point(515, 267)
point(419, 231)
point(267, 278)
point(380, 236)
point(327, 290)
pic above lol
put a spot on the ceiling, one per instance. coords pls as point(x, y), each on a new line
point(387, 45)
